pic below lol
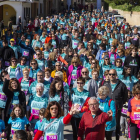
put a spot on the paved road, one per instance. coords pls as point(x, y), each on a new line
point(68, 134)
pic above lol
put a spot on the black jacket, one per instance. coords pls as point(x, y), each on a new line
point(10, 94)
point(50, 65)
point(120, 93)
point(134, 63)
point(6, 53)
point(68, 58)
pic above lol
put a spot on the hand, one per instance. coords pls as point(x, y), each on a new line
point(32, 133)
point(7, 77)
point(110, 113)
point(3, 135)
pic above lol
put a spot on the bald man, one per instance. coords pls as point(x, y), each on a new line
point(119, 93)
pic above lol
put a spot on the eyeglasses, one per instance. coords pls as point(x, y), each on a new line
point(84, 72)
point(79, 83)
point(27, 41)
point(74, 62)
point(118, 61)
point(93, 104)
point(33, 63)
point(40, 75)
point(112, 48)
point(90, 58)
point(113, 74)
point(57, 65)
point(119, 52)
point(101, 95)
point(106, 59)
point(93, 63)
point(14, 61)
point(54, 108)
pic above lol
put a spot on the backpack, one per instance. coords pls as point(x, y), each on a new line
point(109, 106)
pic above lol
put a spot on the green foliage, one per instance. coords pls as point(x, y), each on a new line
point(123, 5)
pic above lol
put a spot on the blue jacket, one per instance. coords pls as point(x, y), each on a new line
point(99, 54)
point(111, 125)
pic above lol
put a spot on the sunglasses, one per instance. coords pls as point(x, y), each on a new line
point(74, 62)
point(93, 63)
point(27, 41)
point(33, 63)
point(119, 52)
point(37, 54)
point(14, 61)
point(57, 65)
point(113, 74)
point(118, 61)
point(84, 72)
point(106, 59)
point(79, 83)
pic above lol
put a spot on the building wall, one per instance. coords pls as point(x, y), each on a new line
point(17, 6)
point(8, 12)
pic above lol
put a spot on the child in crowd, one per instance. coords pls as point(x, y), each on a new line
point(123, 120)
point(37, 125)
point(17, 121)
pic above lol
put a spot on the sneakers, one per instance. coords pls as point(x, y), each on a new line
point(123, 133)
point(126, 136)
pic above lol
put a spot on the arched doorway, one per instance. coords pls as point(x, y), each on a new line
point(9, 13)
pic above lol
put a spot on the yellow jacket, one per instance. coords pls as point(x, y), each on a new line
point(64, 75)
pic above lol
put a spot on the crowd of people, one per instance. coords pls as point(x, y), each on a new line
point(75, 67)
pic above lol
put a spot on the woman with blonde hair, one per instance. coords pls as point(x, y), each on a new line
point(74, 71)
point(51, 61)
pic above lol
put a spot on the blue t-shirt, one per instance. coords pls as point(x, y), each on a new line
point(3, 97)
point(15, 101)
point(54, 130)
point(18, 124)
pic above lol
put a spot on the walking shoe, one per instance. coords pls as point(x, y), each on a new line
point(126, 136)
point(123, 133)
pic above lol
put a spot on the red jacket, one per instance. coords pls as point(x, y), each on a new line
point(94, 128)
point(30, 80)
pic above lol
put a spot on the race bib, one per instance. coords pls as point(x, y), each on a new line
point(74, 77)
point(135, 38)
point(3, 97)
point(124, 111)
point(136, 115)
point(25, 91)
point(51, 137)
point(75, 43)
point(128, 87)
point(7, 63)
point(35, 111)
point(11, 106)
point(12, 131)
point(42, 138)
point(25, 53)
